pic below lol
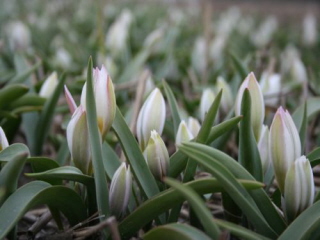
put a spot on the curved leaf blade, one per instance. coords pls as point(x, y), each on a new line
point(198, 206)
point(14, 149)
point(10, 93)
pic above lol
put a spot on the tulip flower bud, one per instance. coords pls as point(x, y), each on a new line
point(49, 86)
point(257, 103)
point(284, 145)
point(206, 101)
point(19, 36)
point(263, 147)
point(70, 101)
point(299, 188)
point(183, 133)
point(310, 32)
point(226, 99)
point(120, 190)
point(151, 117)
point(104, 97)
point(271, 87)
point(157, 156)
point(3, 140)
point(193, 125)
point(78, 140)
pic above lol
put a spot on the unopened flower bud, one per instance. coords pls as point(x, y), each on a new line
point(104, 97)
point(49, 86)
point(206, 101)
point(263, 147)
point(257, 103)
point(271, 87)
point(299, 188)
point(151, 117)
point(193, 125)
point(3, 140)
point(120, 190)
point(78, 140)
point(284, 145)
point(183, 133)
point(157, 156)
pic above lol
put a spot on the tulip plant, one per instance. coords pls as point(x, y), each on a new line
point(152, 138)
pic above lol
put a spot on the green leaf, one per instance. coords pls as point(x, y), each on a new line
point(134, 156)
point(27, 100)
point(202, 212)
point(178, 162)
point(111, 160)
point(37, 193)
point(303, 128)
point(222, 128)
point(167, 199)
point(102, 193)
point(314, 157)
point(303, 226)
point(63, 173)
point(11, 93)
point(239, 231)
point(231, 186)
point(12, 150)
point(249, 156)
point(63, 153)
point(175, 231)
point(173, 106)
point(46, 118)
point(239, 66)
point(10, 174)
point(260, 197)
point(313, 107)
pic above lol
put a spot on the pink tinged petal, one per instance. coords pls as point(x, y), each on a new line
point(70, 101)
point(3, 140)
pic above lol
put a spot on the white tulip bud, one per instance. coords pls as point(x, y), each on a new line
point(183, 133)
point(299, 188)
point(284, 145)
point(49, 86)
point(257, 103)
point(157, 156)
point(151, 117)
point(120, 190)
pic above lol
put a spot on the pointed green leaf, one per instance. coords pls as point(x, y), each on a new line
point(11, 93)
point(173, 106)
point(231, 186)
point(313, 107)
point(239, 66)
point(249, 156)
point(102, 193)
point(314, 157)
point(203, 213)
point(111, 160)
point(260, 197)
point(46, 117)
point(27, 100)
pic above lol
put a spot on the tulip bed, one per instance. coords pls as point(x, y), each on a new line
point(126, 121)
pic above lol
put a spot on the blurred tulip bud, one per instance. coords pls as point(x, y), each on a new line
point(309, 36)
point(299, 188)
point(227, 98)
point(263, 35)
point(3, 140)
point(151, 117)
point(19, 36)
point(263, 147)
point(104, 97)
point(120, 190)
point(206, 101)
point(257, 103)
point(271, 88)
point(78, 140)
point(193, 125)
point(157, 156)
point(183, 133)
point(49, 86)
point(199, 62)
point(284, 145)
point(298, 70)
